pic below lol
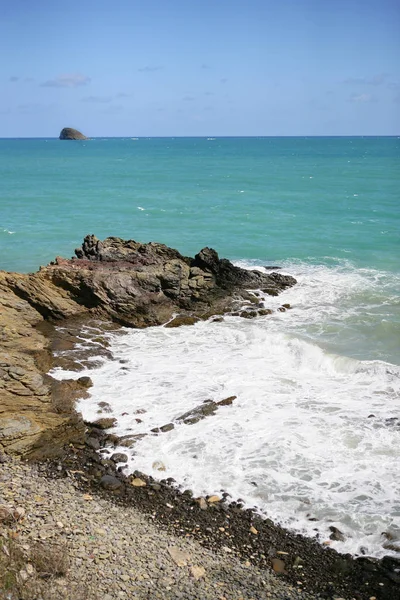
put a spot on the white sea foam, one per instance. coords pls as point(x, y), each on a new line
point(299, 442)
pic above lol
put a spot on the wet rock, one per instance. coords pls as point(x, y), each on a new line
point(248, 314)
point(85, 382)
point(119, 457)
point(226, 401)
point(158, 465)
point(336, 534)
point(265, 311)
point(182, 320)
point(104, 423)
point(163, 429)
point(209, 407)
point(93, 443)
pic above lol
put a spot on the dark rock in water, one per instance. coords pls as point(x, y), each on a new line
point(164, 428)
point(85, 382)
point(71, 134)
point(209, 407)
point(226, 401)
point(104, 423)
point(268, 268)
point(336, 534)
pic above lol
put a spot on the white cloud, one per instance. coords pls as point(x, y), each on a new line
point(69, 80)
point(362, 98)
point(375, 80)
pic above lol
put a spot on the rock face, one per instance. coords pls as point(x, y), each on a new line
point(31, 424)
point(130, 283)
point(71, 134)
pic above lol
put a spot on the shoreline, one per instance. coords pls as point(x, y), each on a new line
point(227, 529)
point(38, 419)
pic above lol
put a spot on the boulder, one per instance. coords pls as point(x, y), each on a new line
point(71, 134)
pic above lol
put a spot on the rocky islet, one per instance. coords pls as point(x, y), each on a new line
point(68, 133)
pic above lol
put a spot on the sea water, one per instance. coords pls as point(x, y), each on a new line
point(312, 433)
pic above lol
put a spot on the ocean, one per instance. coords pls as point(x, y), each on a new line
point(313, 438)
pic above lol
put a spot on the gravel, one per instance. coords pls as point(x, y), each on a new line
point(116, 552)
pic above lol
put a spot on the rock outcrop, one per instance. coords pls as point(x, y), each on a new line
point(127, 282)
point(71, 134)
point(32, 423)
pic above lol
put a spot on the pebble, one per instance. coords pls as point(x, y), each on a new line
point(117, 552)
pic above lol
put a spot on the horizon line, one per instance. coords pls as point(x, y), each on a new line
point(389, 135)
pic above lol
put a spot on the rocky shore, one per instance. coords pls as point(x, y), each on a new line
point(133, 537)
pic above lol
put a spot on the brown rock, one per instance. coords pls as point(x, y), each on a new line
point(278, 565)
point(213, 499)
point(137, 482)
point(227, 401)
point(179, 321)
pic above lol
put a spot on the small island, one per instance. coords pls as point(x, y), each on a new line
point(71, 134)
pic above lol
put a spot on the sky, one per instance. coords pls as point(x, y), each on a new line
point(200, 67)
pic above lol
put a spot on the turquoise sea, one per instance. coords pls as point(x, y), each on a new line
point(326, 210)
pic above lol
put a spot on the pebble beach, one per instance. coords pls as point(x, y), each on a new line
point(115, 552)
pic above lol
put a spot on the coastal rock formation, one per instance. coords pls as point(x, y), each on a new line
point(71, 134)
point(31, 422)
point(127, 282)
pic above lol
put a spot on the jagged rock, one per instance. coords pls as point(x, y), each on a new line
point(336, 534)
point(32, 424)
point(71, 134)
point(126, 282)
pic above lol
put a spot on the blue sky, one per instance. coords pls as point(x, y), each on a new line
point(200, 67)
